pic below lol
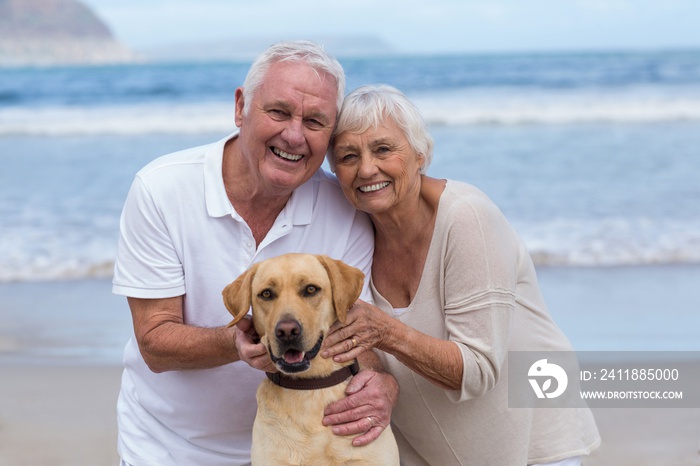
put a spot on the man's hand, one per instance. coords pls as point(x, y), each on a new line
point(249, 347)
point(367, 408)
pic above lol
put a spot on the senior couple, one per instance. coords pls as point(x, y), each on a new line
point(452, 285)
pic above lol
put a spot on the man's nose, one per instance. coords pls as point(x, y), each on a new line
point(293, 133)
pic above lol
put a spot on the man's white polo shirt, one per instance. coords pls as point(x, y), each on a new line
point(180, 235)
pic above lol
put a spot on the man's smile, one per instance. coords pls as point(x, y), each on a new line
point(286, 155)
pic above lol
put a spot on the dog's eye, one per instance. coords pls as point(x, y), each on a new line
point(310, 290)
point(266, 294)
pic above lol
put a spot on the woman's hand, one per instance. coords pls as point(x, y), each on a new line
point(366, 327)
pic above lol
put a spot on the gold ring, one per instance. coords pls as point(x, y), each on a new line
point(354, 343)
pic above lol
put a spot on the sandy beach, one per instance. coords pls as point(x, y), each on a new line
point(58, 415)
point(55, 416)
point(60, 363)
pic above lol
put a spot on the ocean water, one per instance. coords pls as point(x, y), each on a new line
point(593, 157)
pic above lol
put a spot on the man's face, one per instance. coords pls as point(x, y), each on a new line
point(286, 131)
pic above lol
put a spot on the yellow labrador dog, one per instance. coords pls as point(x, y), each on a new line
point(295, 299)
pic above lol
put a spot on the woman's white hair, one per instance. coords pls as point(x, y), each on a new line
point(292, 51)
point(370, 106)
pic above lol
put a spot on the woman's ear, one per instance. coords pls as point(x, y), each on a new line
point(346, 284)
point(237, 295)
point(421, 164)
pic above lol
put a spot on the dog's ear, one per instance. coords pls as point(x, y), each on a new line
point(346, 284)
point(237, 295)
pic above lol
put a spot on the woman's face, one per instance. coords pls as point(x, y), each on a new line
point(377, 169)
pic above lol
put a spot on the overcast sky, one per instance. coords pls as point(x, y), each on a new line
point(414, 26)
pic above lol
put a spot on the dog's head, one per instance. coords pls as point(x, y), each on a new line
point(295, 299)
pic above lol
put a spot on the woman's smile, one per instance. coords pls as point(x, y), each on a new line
point(371, 188)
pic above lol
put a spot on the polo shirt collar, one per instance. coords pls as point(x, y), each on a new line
point(215, 196)
point(298, 210)
point(300, 205)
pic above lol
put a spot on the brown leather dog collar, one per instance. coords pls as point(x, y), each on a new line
point(295, 383)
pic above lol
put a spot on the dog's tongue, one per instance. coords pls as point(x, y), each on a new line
point(293, 356)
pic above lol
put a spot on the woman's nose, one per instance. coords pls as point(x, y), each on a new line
point(367, 167)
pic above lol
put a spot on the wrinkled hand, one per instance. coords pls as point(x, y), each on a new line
point(249, 347)
point(365, 328)
point(367, 408)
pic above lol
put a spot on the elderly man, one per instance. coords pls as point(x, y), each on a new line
point(192, 222)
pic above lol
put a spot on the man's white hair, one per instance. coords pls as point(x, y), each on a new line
point(293, 51)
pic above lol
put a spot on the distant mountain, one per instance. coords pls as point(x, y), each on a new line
point(247, 48)
point(50, 32)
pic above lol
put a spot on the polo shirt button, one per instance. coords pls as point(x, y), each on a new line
point(249, 244)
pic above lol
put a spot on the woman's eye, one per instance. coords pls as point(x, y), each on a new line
point(345, 158)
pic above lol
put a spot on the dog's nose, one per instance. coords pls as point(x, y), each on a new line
point(287, 330)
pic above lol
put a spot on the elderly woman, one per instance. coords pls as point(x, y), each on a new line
point(455, 290)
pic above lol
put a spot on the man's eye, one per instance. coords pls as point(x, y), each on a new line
point(314, 124)
point(277, 113)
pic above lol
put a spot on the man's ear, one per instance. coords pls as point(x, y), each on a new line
point(237, 295)
point(240, 104)
point(346, 284)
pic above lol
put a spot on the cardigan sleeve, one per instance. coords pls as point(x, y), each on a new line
point(481, 253)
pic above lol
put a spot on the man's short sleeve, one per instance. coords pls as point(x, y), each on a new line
point(147, 264)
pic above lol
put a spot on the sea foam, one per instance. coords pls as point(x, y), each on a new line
point(457, 107)
point(607, 242)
